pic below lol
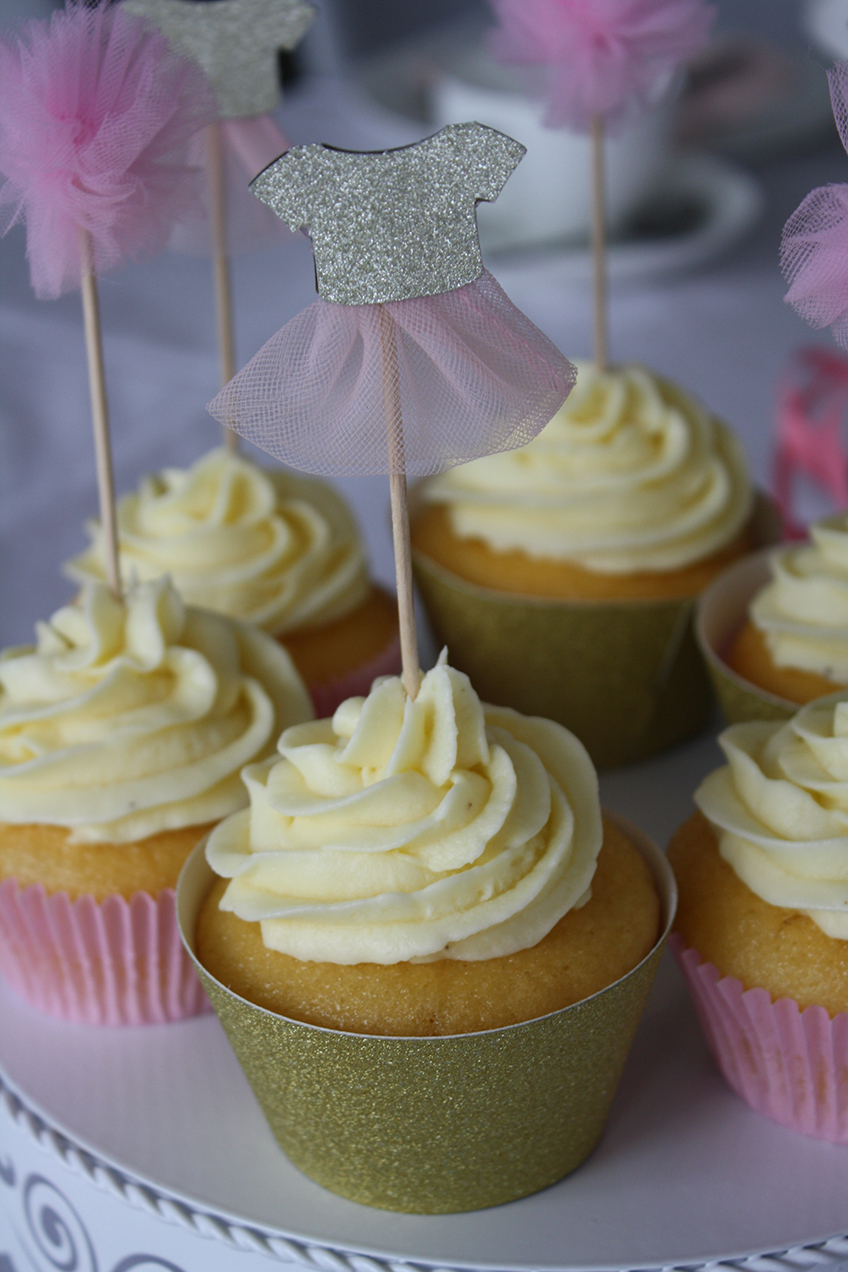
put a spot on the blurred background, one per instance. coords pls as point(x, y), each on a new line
point(699, 192)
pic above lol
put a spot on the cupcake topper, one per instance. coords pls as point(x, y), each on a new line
point(604, 61)
point(93, 111)
point(814, 246)
point(412, 360)
point(236, 42)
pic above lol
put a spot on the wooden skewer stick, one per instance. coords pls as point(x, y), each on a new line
point(599, 247)
point(99, 413)
point(221, 263)
point(400, 511)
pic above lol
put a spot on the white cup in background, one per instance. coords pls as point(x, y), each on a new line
point(548, 197)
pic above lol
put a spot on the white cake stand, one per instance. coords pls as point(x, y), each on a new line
point(140, 1149)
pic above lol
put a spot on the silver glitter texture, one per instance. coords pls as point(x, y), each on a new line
point(394, 224)
point(235, 41)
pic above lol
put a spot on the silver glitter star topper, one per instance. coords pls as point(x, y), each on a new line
point(235, 41)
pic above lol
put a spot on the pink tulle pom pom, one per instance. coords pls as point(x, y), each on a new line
point(95, 111)
point(604, 58)
point(814, 245)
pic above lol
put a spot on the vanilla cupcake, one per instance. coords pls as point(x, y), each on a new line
point(123, 732)
point(587, 548)
point(793, 641)
point(265, 546)
point(762, 927)
point(424, 892)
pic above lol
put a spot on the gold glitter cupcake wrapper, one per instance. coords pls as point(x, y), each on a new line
point(435, 1125)
point(721, 611)
point(625, 676)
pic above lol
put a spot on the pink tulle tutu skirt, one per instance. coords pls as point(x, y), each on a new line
point(114, 962)
point(248, 146)
point(471, 373)
point(790, 1065)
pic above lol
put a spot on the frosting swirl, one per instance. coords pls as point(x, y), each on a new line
point(128, 718)
point(630, 475)
point(410, 831)
point(780, 807)
point(263, 545)
point(803, 612)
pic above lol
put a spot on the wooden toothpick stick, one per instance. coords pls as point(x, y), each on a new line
point(99, 413)
point(400, 511)
point(221, 262)
point(599, 247)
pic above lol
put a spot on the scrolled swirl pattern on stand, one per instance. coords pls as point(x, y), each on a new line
point(145, 1263)
point(57, 1230)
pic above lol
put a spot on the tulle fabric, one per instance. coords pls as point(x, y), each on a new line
point(605, 58)
point(814, 246)
point(473, 376)
point(95, 114)
point(249, 145)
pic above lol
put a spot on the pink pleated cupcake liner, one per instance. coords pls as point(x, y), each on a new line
point(114, 962)
point(790, 1065)
point(326, 697)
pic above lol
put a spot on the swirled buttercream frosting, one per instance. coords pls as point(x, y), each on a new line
point(408, 830)
point(780, 810)
point(630, 475)
point(803, 612)
point(131, 717)
point(263, 545)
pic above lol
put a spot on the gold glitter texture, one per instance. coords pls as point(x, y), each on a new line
point(740, 701)
point(235, 41)
point(394, 224)
point(436, 1125)
point(626, 677)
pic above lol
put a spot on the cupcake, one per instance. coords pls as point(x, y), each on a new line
point(762, 929)
point(791, 645)
point(268, 547)
point(122, 735)
point(587, 548)
point(422, 899)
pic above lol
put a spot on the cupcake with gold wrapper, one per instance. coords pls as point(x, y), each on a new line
point(122, 735)
point(264, 546)
point(587, 549)
point(416, 895)
point(774, 630)
point(762, 928)
point(424, 896)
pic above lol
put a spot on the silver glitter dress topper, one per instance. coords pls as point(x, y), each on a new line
point(394, 224)
point(235, 41)
point(412, 359)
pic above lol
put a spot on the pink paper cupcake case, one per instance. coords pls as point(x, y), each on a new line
point(790, 1065)
point(326, 697)
point(114, 962)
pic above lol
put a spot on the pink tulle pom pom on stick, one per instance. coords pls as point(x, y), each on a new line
point(814, 245)
point(604, 58)
point(602, 62)
point(95, 112)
